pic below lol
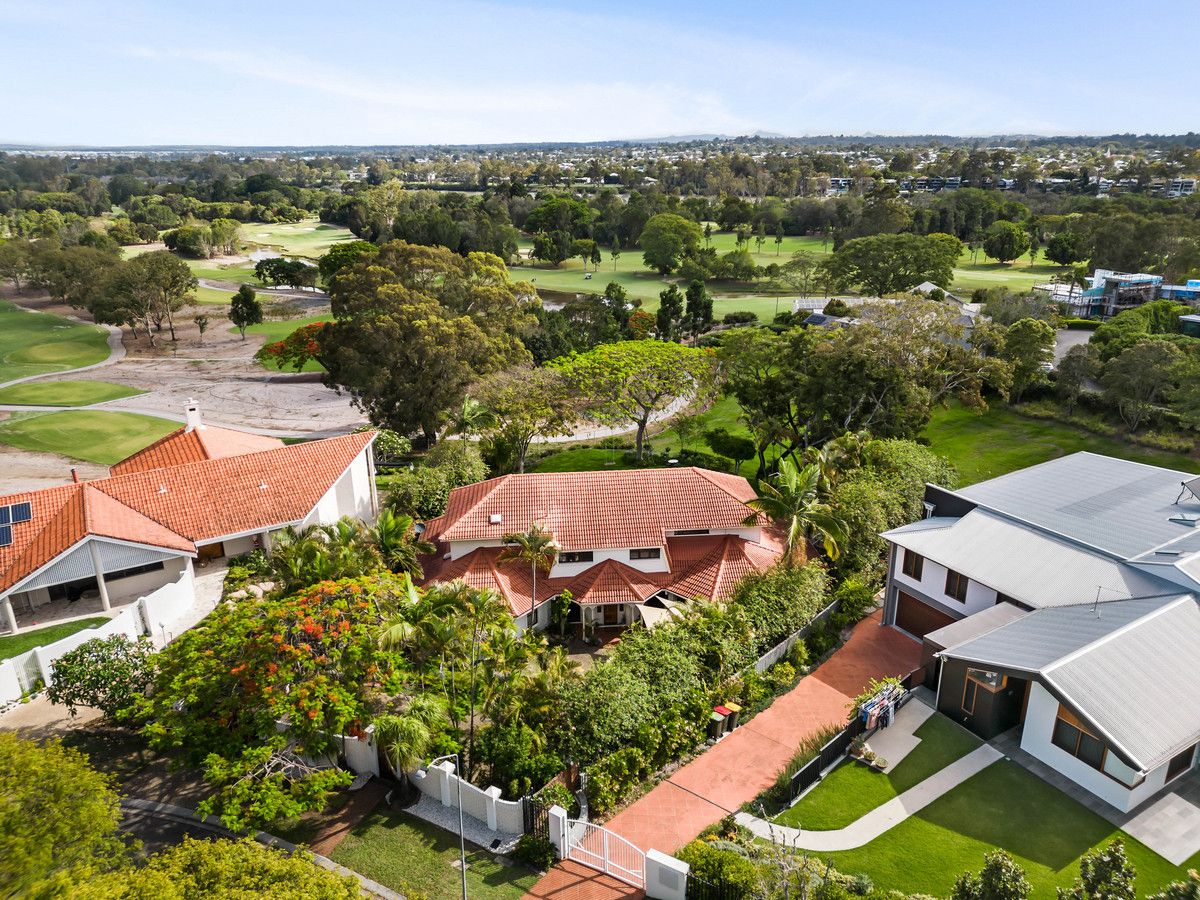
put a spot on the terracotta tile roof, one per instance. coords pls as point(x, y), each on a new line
point(237, 494)
point(194, 445)
point(614, 582)
point(177, 506)
point(712, 566)
point(481, 570)
point(597, 510)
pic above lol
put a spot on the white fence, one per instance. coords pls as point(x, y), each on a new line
point(442, 784)
point(155, 614)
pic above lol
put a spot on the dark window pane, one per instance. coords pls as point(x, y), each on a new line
point(1066, 736)
point(1091, 750)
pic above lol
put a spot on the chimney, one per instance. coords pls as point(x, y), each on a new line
point(74, 475)
point(194, 422)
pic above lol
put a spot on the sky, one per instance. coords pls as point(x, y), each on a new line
point(262, 73)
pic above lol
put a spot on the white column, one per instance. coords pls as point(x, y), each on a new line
point(265, 537)
point(9, 616)
point(558, 830)
point(98, 567)
point(666, 876)
point(445, 778)
point(491, 795)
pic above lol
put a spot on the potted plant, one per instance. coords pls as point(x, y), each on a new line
point(880, 763)
point(856, 747)
point(868, 756)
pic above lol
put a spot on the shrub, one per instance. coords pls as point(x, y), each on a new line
point(110, 674)
point(821, 642)
point(743, 317)
point(781, 601)
point(613, 777)
point(534, 851)
point(718, 864)
point(798, 655)
point(855, 599)
point(782, 676)
point(861, 884)
point(555, 794)
point(704, 460)
point(780, 792)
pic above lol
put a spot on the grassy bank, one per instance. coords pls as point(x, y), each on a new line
point(16, 644)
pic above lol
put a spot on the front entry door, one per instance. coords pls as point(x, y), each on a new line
point(612, 614)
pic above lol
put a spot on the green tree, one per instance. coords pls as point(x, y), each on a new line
point(108, 674)
point(791, 499)
point(524, 404)
point(1029, 347)
point(999, 879)
point(1181, 890)
point(628, 382)
point(800, 270)
point(341, 255)
point(200, 320)
point(669, 313)
point(14, 261)
point(417, 326)
point(733, 446)
point(535, 546)
point(699, 313)
point(408, 735)
point(152, 288)
point(615, 251)
point(1139, 378)
point(1005, 241)
point(394, 536)
point(551, 246)
point(58, 821)
point(1064, 248)
point(1104, 874)
point(245, 309)
point(200, 869)
point(778, 237)
point(1078, 367)
point(891, 263)
point(667, 240)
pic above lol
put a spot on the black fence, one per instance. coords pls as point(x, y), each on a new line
point(810, 773)
point(699, 889)
point(537, 817)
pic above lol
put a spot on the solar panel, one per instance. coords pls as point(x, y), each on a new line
point(5, 515)
point(21, 512)
point(5, 535)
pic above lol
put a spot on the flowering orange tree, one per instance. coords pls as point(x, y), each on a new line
point(296, 349)
point(311, 661)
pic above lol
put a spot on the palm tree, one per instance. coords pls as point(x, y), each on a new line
point(406, 736)
point(394, 536)
point(536, 547)
point(472, 418)
point(790, 498)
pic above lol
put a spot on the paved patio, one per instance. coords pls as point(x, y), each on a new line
point(1169, 823)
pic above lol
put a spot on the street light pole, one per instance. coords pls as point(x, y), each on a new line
point(462, 841)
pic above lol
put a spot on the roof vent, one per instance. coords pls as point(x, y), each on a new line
point(162, 488)
point(1183, 519)
point(262, 485)
point(495, 519)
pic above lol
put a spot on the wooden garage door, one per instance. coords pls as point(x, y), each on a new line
point(918, 618)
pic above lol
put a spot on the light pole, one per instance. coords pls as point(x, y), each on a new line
point(462, 843)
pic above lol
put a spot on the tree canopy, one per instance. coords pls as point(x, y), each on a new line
point(893, 263)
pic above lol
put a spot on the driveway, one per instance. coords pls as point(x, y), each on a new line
point(746, 762)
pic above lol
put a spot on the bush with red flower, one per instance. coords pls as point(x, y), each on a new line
point(295, 350)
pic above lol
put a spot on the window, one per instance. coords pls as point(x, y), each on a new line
point(1070, 735)
point(912, 565)
point(645, 553)
point(956, 585)
point(1180, 763)
point(575, 556)
point(979, 679)
point(689, 531)
point(136, 570)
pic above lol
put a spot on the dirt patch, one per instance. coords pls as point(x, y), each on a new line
point(25, 470)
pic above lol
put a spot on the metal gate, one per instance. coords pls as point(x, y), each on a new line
point(606, 851)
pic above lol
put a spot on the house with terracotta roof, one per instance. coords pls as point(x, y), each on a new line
point(631, 544)
point(199, 494)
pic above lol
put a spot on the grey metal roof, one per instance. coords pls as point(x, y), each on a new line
point(1137, 686)
point(1024, 563)
point(1119, 507)
point(1045, 636)
point(1124, 666)
point(975, 626)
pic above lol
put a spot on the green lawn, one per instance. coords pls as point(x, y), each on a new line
point(278, 330)
point(206, 268)
point(213, 296)
point(65, 393)
point(309, 238)
point(405, 853)
point(1000, 441)
point(1003, 807)
point(16, 644)
point(89, 435)
point(36, 343)
point(853, 789)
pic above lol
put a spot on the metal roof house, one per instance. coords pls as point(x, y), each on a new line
point(1062, 600)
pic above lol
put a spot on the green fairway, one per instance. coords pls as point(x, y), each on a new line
point(1003, 807)
point(242, 273)
point(16, 644)
point(278, 330)
point(1000, 441)
point(213, 297)
point(34, 343)
point(853, 789)
point(309, 238)
point(89, 435)
point(64, 393)
point(645, 285)
point(407, 854)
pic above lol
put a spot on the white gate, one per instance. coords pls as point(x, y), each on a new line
point(599, 848)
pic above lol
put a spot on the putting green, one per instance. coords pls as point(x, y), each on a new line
point(89, 435)
point(33, 343)
point(64, 393)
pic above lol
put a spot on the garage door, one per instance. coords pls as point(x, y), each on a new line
point(918, 618)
